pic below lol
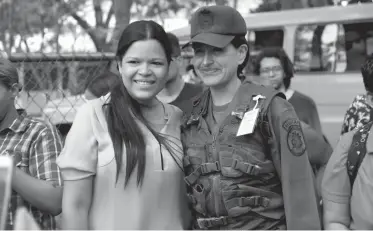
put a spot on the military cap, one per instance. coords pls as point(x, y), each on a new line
point(216, 25)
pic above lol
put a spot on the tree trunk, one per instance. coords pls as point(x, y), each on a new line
point(122, 12)
point(57, 36)
point(98, 13)
point(24, 40)
point(11, 34)
point(59, 80)
point(42, 39)
point(19, 46)
point(97, 34)
point(73, 81)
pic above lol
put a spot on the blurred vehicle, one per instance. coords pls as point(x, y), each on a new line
point(327, 46)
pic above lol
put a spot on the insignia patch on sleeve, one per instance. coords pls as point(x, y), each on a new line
point(295, 137)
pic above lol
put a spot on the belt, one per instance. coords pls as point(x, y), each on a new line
point(206, 223)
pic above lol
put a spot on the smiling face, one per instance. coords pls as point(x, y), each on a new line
point(272, 73)
point(144, 69)
point(216, 66)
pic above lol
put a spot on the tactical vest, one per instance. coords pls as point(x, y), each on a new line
point(232, 182)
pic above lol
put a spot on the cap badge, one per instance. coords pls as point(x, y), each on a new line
point(205, 19)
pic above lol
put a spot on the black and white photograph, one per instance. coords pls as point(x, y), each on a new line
point(186, 114)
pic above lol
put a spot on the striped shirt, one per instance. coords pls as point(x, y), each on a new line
point(34, 146)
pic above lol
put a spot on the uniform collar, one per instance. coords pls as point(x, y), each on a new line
point(289, 93)
point(200, 105)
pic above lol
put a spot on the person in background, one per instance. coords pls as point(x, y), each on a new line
point(246, 162)
point(191, 76)
point(347, 184)
point(176, 91)
point(360, 112)
point(122, 160)
point(34, 146)
point(274, 66)
point(319, 150)
point(101, 85)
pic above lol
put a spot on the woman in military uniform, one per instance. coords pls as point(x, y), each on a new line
point(245, 161)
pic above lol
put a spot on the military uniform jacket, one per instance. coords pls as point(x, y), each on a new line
point(261, 180)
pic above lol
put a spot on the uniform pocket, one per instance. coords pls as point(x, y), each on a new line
point(244, 199)
point(195, 155)
point(227, 154)
point(236, 161)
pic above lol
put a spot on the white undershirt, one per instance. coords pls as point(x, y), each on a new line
point(289, 93)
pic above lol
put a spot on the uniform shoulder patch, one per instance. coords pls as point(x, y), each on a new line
point(295, 138)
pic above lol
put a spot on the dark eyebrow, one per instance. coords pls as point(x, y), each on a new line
point(152, 59)
point(158, 59)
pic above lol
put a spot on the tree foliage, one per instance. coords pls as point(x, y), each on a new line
point(124, 11)
point(48, 19)
point(23, 19)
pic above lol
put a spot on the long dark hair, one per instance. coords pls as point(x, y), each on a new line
point(122, 109)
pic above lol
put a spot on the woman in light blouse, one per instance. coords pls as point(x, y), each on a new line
point(122, 161)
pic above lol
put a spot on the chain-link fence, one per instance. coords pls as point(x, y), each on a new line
point(53, 84)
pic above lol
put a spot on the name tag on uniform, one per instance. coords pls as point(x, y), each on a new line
point(248, 123)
